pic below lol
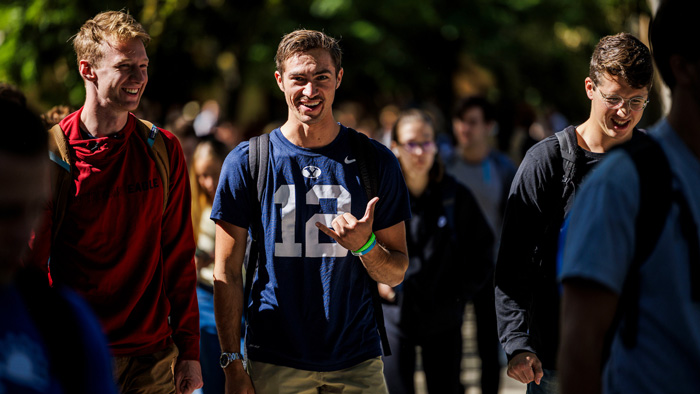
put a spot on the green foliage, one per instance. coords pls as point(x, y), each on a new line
point(396, 51)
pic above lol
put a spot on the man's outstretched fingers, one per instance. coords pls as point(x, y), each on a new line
point(369, 212)
point(327, 231)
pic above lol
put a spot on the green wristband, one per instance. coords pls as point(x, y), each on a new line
point(366, 247)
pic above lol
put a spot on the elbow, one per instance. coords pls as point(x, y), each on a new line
point(398, 275)
point(394, 281)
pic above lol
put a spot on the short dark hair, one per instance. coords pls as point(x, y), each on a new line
point(305, 40)
point(470, 102)
point(624, 56)
point(670, 32)
point(24, 133)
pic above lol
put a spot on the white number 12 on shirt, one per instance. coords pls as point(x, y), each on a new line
point(285, 196)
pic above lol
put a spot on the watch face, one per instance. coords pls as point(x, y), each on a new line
point(224, 360)
point(228, 358)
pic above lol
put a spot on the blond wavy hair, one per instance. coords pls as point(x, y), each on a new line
point(116, 26)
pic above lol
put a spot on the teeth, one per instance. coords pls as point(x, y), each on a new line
point(310, 105)
point(132, 91)
point(620, 123)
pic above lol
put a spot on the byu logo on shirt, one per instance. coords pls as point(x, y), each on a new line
point(311, 172)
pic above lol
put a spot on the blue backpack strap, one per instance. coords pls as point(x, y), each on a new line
point(58, 160)
point(152, 135)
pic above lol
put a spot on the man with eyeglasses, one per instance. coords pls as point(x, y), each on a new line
point(526, 290)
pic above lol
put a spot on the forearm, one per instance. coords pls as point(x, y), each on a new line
point(384, 265)
point(387, 262)
point(587, 312)
point(512, 322)
point(228, 310)
point(228, 284)
point(228, 299)
point(514, 276)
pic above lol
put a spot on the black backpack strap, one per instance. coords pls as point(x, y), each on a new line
point(567, 146)
point(365, 154)
point(258, 155)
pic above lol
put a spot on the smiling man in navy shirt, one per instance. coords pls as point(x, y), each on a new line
point(312, 324)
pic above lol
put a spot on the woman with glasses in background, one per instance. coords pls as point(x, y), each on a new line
point(449, 248)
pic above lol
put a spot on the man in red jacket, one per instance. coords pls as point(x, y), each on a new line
point(124, 247)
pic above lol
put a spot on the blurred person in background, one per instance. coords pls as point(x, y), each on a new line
point(205, 169)
point(450, 248)
point(488, 174)
point(55, 114)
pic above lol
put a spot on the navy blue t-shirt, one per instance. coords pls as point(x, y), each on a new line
point(313, 303)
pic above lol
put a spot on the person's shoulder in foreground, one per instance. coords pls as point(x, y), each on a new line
point(51, 341)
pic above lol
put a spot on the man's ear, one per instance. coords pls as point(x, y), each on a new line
point(339, 78)
point(87, 71)
point(278, 78)
point(590, 87)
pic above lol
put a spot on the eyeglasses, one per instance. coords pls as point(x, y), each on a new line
point(412, 147)
point(614, 101)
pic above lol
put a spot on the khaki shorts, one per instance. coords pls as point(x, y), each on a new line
point(366, 377)
point(147, 374)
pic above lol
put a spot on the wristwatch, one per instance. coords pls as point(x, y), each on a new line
point(228, 358)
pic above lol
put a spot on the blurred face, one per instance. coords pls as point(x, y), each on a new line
point(615, 123)
point(22, 199)
point(207, 171)
point(415, 147)
point(309, 82)
point(121, 75)
point(471, 129)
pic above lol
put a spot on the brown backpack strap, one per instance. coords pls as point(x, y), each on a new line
point(61, 176)
point(158, 152)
